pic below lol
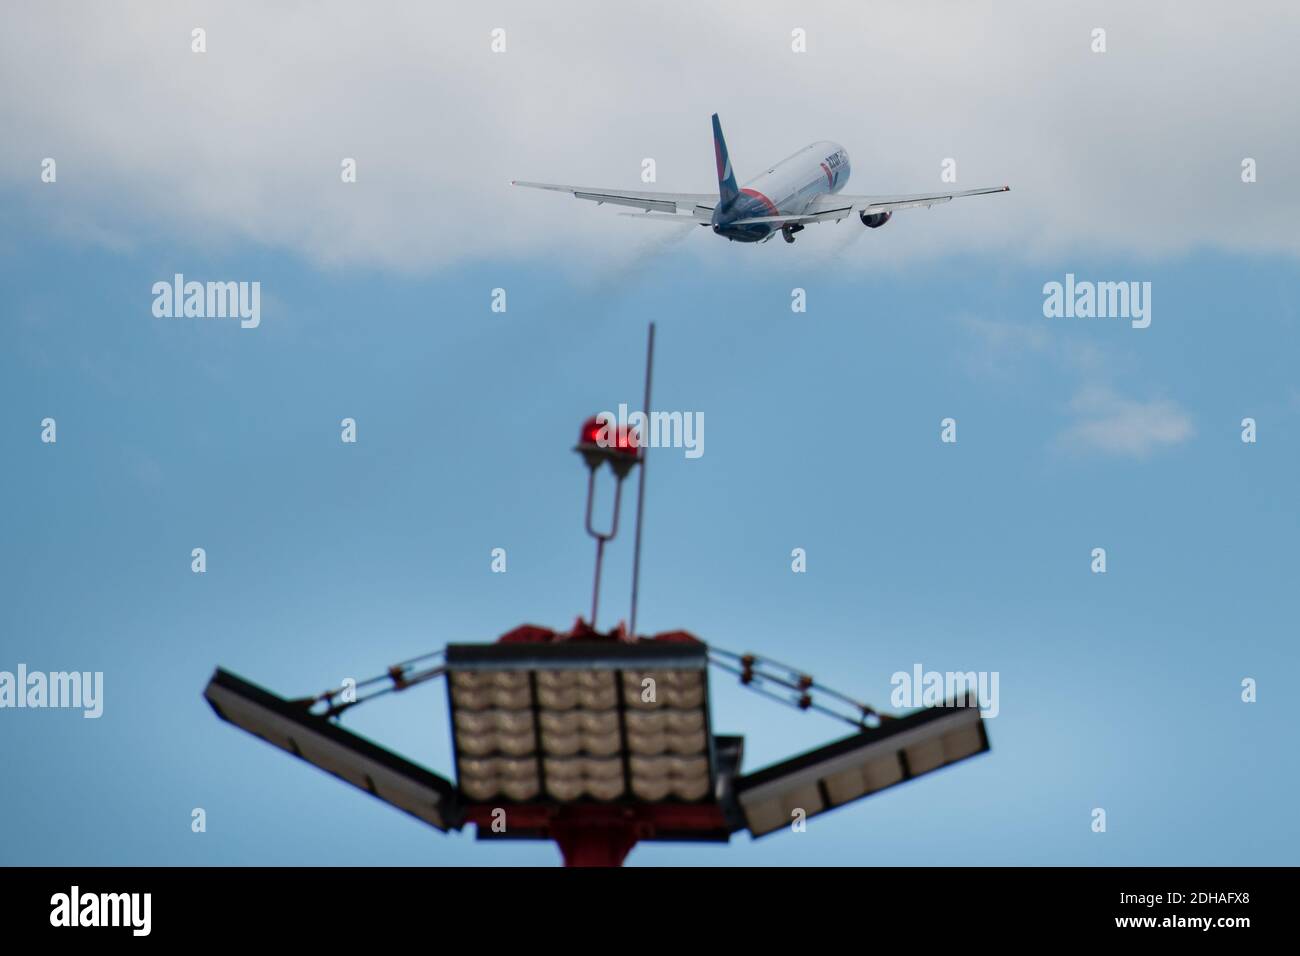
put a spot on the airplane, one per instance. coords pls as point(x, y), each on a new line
point(797, 192)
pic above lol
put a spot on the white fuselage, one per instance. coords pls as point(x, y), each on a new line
point(786, 189)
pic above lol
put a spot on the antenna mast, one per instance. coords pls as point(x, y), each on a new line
point(602, 440)
point(640, 491)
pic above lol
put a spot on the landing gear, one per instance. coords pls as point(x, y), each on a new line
point(787, 232)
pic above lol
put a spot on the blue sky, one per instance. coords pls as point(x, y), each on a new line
point(328, 560)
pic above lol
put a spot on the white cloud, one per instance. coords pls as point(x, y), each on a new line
point(997, 345)
point(1115, 425)
point(1136, 151)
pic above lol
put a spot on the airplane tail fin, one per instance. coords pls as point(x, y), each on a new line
point(727, 190)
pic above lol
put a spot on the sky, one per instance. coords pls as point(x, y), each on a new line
point(1120, 691)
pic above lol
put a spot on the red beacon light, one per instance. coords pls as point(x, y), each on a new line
point(601, 441)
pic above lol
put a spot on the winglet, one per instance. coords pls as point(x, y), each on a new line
point(727, 190)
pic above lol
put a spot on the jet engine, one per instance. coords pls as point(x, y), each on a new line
point(874, 220)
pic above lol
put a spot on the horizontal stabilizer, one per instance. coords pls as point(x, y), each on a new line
point(665, 217)
point(823, 216)
point(649, 200)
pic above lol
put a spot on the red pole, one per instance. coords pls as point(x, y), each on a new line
point(595, 845)
point(600, 835)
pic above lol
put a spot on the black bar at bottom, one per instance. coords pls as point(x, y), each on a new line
point(362, 906)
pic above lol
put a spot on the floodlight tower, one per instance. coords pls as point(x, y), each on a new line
point(598, 740)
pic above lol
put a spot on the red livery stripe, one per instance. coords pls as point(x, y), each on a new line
point(772, 210)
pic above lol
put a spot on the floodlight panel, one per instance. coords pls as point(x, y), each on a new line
point(482, 778)
point(509, 732)
point(657, 778)
point(323, 743)
point(572, 778)
point(684, 689)
point(586, 721)
point(568, 733)
point(859, 766)
point(506, 690)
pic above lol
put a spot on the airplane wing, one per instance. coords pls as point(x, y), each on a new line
point(838, 206)
point(874, 204)
point(695, 205)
